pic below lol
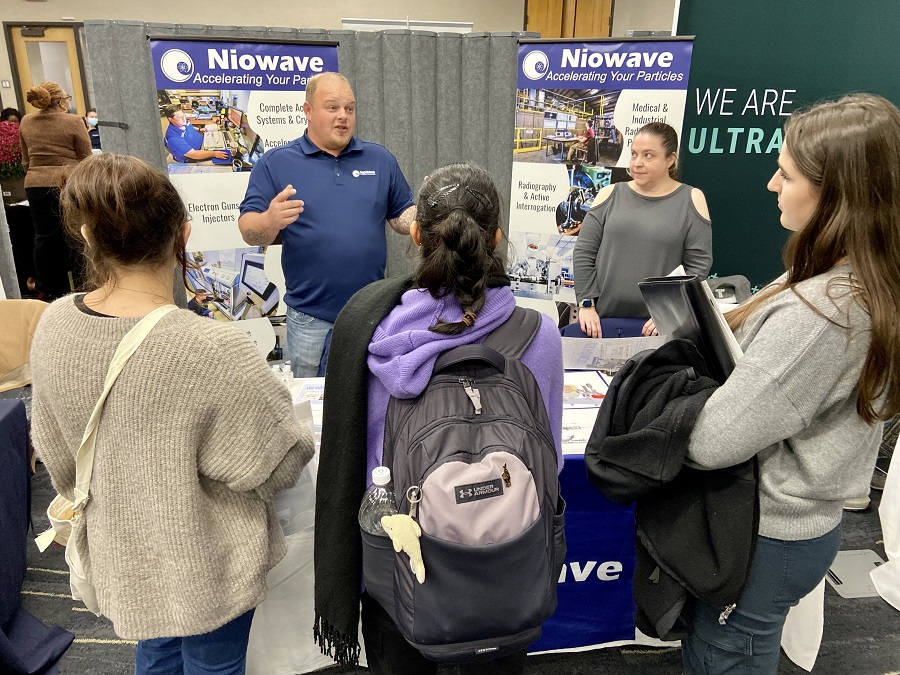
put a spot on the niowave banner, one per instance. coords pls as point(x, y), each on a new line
point(594, 590)
point(221, 106)
point(578, 107)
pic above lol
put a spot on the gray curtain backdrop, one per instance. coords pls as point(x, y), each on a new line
point(430, 98)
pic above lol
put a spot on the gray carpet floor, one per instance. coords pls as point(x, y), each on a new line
point(862, 636)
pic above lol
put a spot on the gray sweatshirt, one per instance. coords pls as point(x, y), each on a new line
point(791, 401)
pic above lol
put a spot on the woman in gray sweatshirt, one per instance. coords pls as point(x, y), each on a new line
point(819, 372)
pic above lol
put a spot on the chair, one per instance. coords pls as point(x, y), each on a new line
point(19, 319)
point(547, 307)
point(581, 154)
point(592, 154)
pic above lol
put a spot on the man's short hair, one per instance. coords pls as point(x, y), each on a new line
point(170, 110)
point(313, 83)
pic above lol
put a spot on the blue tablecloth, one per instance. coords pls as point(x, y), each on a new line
point(14, 504)
point(26, 645)
point(595, 601)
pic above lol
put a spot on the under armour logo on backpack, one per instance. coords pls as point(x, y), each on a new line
point(475, 491)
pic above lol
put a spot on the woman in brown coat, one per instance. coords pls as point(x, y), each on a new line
point(53, 142)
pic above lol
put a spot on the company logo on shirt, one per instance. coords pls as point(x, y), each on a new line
point(357, 173)
point(177, 65)
point(535, 65)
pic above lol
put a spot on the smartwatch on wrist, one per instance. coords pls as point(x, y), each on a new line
point(587, 303)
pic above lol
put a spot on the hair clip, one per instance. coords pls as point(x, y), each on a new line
point(449, 189)
point(440, 194)
point(482, 199)
point(468, 318)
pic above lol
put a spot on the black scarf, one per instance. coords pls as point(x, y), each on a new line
point(342, 466)
point(342, 469)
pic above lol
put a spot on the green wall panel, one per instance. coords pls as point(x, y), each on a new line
point(773, 57)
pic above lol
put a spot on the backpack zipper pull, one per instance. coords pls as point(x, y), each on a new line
point(723, 617)
point(413, 496)
point(473, 394)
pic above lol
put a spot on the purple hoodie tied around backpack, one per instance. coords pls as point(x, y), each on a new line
point(403, 351)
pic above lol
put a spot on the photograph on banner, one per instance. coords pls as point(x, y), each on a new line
point(540, 265)
point(578, 107)
point(221, 106)
point(231, 284)
point(214, 120)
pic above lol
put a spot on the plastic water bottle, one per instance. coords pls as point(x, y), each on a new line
point(284, 374)
point(287, 375)
point(377, 502)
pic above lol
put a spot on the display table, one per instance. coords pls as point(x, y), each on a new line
point(559, 143)
point(595, 605)
point(14, 504)
point(594, 592)
point(26, 644)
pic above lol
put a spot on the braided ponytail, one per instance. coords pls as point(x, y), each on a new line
point(458, 214)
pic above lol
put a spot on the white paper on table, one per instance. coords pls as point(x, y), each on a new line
point(577, 425)
point(605, 353)
point(583, 389)
point(886, 577)
point(312, 389)
point(802, 634)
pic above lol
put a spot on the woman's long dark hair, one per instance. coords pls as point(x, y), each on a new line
point(458, 214)
point(850, 151)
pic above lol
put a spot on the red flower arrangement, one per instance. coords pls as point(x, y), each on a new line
point(10, 151)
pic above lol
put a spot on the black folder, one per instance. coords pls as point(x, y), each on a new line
point(682, 307)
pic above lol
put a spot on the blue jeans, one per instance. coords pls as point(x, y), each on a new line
point(750, 641)
point(221, 652)
point(306, 341)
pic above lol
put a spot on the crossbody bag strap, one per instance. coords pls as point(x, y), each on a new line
point(84, 458)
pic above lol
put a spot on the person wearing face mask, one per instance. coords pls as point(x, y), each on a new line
point(53, 142)
point(184, 142)
point(646, 227)
point(328, 195)
point(90, 121)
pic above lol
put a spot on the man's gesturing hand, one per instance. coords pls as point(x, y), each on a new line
point(283, 210)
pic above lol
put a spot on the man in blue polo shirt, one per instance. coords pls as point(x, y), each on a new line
point(183, 141)
point(328, 194)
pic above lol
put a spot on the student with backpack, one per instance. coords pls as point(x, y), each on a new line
point(381, 372)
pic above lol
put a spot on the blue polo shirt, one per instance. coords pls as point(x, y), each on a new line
point(182, 141)
point(337, 245)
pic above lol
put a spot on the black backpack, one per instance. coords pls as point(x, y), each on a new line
point(477, 449)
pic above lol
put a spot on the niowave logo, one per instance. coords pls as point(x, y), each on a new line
point(357, 173)
point(535, 65)
point(177, 65)
point(604, 571)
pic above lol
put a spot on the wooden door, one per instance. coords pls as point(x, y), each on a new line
point(593, 18)
point(569, 18)
point(48, 53)
point(545, 17)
